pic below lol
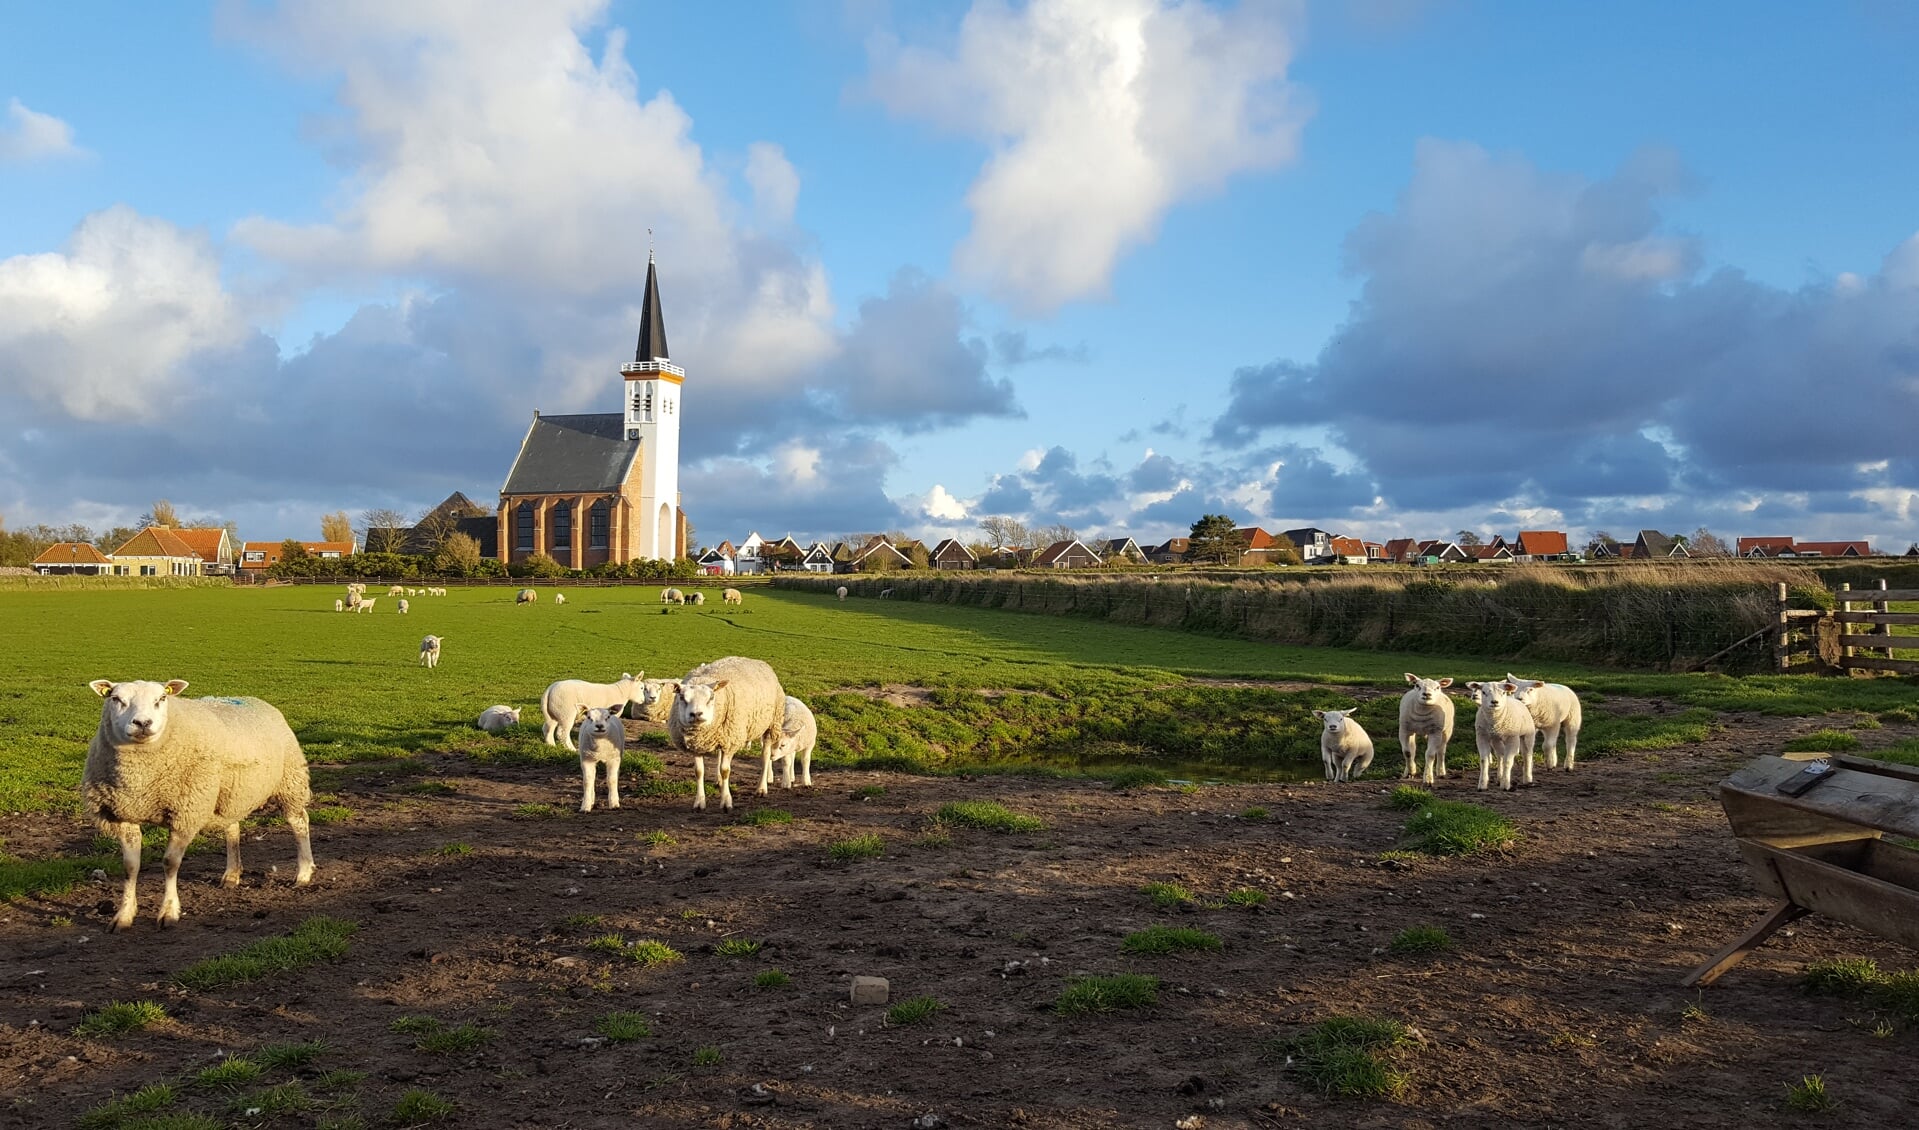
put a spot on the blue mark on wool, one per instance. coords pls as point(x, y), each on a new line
point(229, 701)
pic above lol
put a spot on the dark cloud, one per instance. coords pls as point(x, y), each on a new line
point(810, 492)
point(1155, 473)
point(1308, 488)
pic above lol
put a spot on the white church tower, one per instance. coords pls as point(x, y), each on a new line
point(652, 400)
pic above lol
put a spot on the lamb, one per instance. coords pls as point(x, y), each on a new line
point(698, 598)
point(1344, 745)
point(559, 598)
point(563, 701)
point(656, 700)
point(339, 605)
point(799, 732)
point(722, 706)
point(526, 596)
point(842, 593)
point(396, 590)
point(498, 719)
point(403, 607)
point(430, 651)
point(1555, 710)
point(886, 594)
point(731, 596)
point(366, 605)
point(1425, 713)
point(602, 739)
point(413, 592)
point(189, 764)
point(1504, 728)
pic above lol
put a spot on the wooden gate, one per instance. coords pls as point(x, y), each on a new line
point(1866, 637)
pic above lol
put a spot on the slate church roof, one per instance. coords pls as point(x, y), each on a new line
point(583, 453)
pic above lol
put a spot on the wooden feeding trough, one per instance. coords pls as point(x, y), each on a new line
point(1821, 851)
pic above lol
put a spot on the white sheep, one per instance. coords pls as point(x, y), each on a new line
point(842, 593)
point(559, 598)
point(799, 733)
point(1555, 709)
point(886, 594)
point(526, 596)
point(1344, 745)
point(430, 651)
point(667, 595)
point(189, 764)
point(339, 605)
point(403, 607)
point(602, 739)
point(563, 701)
point(498, 719)
point(1504, 729)
point(732, 596)
point(413, 592)
point(1425, 714)
point(366, 605)
point(722, 706)
point(656, 700)
point(697, 598)
point(396, 590)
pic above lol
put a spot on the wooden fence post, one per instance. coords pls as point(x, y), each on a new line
point(1884, 629)
point(1782, 646)
point(1845, 651)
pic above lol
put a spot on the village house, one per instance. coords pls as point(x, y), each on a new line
point(1347, 551)
point(717, 561)
point(1071, 554)
point(1439, 553)
point(1172, 551)
point(456, 514)
point(818, 559)
point(72, 558)
point(1543, 545)
point(257, 556)
point(1495, 554)
point(1120, 551)
point(876, 556)
point(213, 545)
point(1765, 547)
point(1315, 545)
point(1401, 551)
point(952, 553)
point(1832, 549)
point(156, 552)
point(1653, 545)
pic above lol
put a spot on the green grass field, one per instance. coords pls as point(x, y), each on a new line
point(1099, 697)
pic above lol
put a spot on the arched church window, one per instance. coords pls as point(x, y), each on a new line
point(596, 522)
point(562, 525)
point(523, 527)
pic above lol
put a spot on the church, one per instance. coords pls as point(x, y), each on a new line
point(604, 488)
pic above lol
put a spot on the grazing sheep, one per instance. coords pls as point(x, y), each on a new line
point(1504, 729)
point(1425, 713)
point(339, 605)
point(799, 732)
point(498, 719)
point(732, 596)
point(722, 706)
point(841, 591)
point(697, 598)
point(886, 594)
point(667, 595)
point(563, 701)
point(189, 764)
point(656, 700)
point(430, 651)
point(366, 605)
point(403, 607)
point(602, 739)
point(1555, 709)
point(559, 598)
point(526, 596)
point(396, 590)
point(1344, 745)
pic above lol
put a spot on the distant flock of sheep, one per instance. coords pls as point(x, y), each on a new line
point(1514, 716)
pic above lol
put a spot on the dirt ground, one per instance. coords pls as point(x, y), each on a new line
point(1559, 1004)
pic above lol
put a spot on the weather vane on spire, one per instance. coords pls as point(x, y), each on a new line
point(649, 245)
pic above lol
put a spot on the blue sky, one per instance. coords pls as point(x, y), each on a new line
point(1385, 267)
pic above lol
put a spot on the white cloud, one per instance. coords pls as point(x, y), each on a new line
point(1103, 114)
point(775, 184)
point(797, 463)
point(29, 135)
point(101, 331)
point(939, 505)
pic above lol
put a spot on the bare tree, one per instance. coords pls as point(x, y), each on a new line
point(336, 527)
point(1059, 531)
point(1001, 530)
point(1705, 543)
point(382, 530)
point(1467, 538)
point(432, 528)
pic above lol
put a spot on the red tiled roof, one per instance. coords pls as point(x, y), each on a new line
point(1256, 538)
point(272, 549)
point(1400, 548)
point(1348, 547)
point(1060, 549)
point(1771, 547)
point(71, 553)
point(1834, 548)
point(1486, 552)
point(155, 541)
point(205, 541)
point(1542, 543)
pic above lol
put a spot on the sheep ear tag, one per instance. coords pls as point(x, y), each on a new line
point(102, 687)
point(175, 686)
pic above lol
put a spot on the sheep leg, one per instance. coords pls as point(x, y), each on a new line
point(587, 771)
point(547, 729)
point(129, 837)
point(1409, 746)
point(725, 771)
point(786, 771)
point(806, 768)
point(296, 815)
point(1549, 737)
point(1485, 765)
point(1571, 730)
point(232, 876)
point(766, 765)
point(699, 790)
point(177, 840)
point(1444, 737)
point(1359, 767)
point(613, 780)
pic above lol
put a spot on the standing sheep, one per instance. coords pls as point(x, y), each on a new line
point(722, 706)
point(498, 719)
point(430, 651)
point(559, 598)
point(799, 733)
point(403, 607)
point(697, 598)
point(526, 596)
point(732, 596)
point(366, 605)
point(1425, 712)
point(1344, 745)
point(189, 764)
point(396, 590)
point(886, 594)
point(666, 595)
point(1504, 728)
point(842, 593)
point(339, 605)
point(1555, 710)
point(563, 701)
point(602, 739)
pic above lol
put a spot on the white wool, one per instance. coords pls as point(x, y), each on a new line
point(559, 598)
point(799, 733)
point(367, 604)
point(1344, 745)
point(403, 607)
point(601, 737)
point(498, 719)
point(697, 598)
point(722, 706)
point(339, 605)
point(563, 701)
point(1556, 710)
point(656, 700)
point(430, 651)
point(1503, 729)
point(731, 596)
point(1425, 714)
point(842, 592)
point(189, 764)
point(526, 596)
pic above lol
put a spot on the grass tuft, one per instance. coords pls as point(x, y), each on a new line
point(581, 921)
point(1247, 897)
point(317, 939)
point(276, 1056)
point(456, 849)
point(417, 1108)
point(1820, 741)
point(621, 1027)
point(1253, 813)
point(708, 1056)
point(869, 792)
point(1808, 1096)
point(287, 1098)
point(121, 1016)
point(229, 1074)
point(1405, 798)
point(535, 812)
point(737, 947)
point(858, 847)
point(115, 1113)
point(763, 817)
point(1136, 776)
point(1348, 1056)
point(1448, 827)
point(913, 1010)
point(657, 838)
point(1084, 996)
point(1166, 896)
point(1843, 976)
point(772, 979)
point(650, 953)
point(22, 877)
point(1157, 940)
point(987, 814)
point(1420, 940)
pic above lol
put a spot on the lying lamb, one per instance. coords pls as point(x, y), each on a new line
point(563, 701)
point(189, 764)
point(799, 733)
point(656, 700)
point(430, 651)
point(722, 706)
point(1344, 745)
point(498, 719)
point(1555, 710)
point(1504, 729)
point(1425, 713)
point(602, 739)
point(731, 596)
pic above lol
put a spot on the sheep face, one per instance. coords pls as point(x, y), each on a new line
point(1489, 694)
point(135, 713)
point(1430, 690)
point(699, 703)
point(598, 721)
point(1336, 722)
